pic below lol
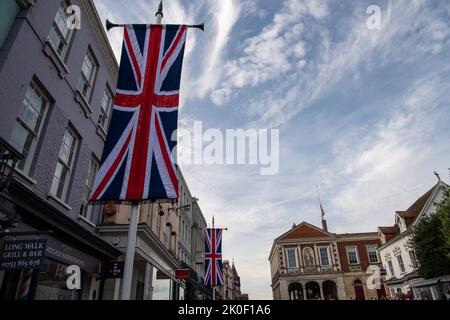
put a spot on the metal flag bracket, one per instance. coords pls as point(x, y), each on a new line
point(110, 25)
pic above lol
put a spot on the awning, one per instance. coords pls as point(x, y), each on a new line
point(430, 282)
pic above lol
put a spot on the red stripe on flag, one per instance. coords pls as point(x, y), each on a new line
point(166, 101)
point(138, 169)
point(132, 55)
point(174, 45)
point(165, 153)
point(127, 100)
point(112, 169)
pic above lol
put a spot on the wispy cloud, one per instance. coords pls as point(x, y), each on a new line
point(299, 54)
point(363, 113)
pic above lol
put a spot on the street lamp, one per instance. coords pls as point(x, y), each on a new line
point(9, 157)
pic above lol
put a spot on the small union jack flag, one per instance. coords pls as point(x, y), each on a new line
point(213, 257)
point(137, 162)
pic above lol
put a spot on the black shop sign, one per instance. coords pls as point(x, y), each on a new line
point(23, 254)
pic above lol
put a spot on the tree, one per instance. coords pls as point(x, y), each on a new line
point(431, 241)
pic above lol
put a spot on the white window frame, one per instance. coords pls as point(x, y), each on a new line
point(295, 258)
point(63, 5)
point(88, 186)
point(327, 250)
point(36, 132)
point(105, 114)
point(70, 166)
point(348, 249)
point(88, 79)
point(413, 258)
point(401, 263)
point(376, 253)
point(391, 268)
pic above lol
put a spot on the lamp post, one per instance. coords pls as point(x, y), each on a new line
point(9, 157)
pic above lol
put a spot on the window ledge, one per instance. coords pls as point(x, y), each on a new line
point(79, 97)
point(56, 59)
point(25, 177)
point(101, 132)
point(89, 222)
point(60, 202)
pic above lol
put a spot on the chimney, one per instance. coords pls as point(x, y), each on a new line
point(324, 225)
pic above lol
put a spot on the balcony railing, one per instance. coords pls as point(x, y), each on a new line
point(9, 157)
point(311, 269)
point(8, 160)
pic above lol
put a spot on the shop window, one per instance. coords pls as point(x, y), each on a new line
point(161, 286)
point(52, 284)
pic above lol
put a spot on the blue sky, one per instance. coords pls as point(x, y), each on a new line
point(365, 114)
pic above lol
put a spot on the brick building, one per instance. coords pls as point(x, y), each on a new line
point(311, 263)
point(231, 289)
point(56, 85)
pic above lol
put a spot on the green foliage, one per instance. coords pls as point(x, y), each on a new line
point(431, 241)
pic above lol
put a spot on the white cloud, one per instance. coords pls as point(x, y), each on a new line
point(378, 173)
point(221, 96)
point(224, 15)
point(307, 58)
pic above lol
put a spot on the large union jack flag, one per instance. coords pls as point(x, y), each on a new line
point(213, 257)
point(137, 162)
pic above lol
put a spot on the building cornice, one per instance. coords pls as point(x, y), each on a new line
point(23, 4)
point(37, 210)
point(142, 230)
point(99, 31)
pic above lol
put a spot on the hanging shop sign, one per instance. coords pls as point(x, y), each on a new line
point(23, 254)
point(111, 269)
point(182, 274)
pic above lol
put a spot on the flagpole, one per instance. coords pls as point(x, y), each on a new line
point(131, 249)
point(213, 288)
point(132, 226)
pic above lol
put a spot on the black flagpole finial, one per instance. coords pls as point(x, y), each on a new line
point(160, 9)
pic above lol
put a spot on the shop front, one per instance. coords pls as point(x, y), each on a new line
point(154, 266)
point(432, 289)
point(48, 281)
point(64, 243)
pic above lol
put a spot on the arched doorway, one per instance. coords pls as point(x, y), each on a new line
point(329, 290)
point(381, 292)
point(295, 291)
point(312, 291)
point(359, 290)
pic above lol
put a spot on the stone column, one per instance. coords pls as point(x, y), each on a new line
point(321, 290)
point(304, 291)
point(148, 281)
point(284, 293)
